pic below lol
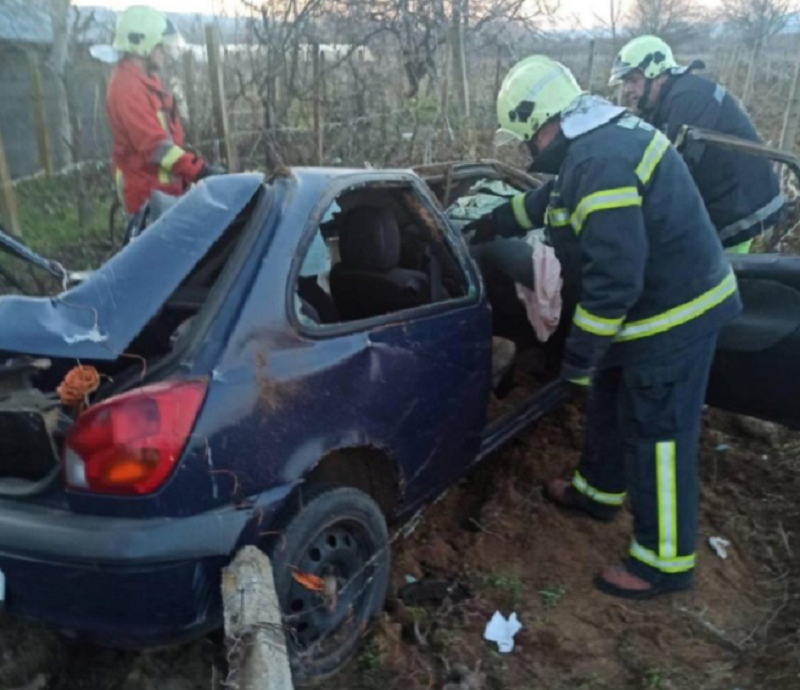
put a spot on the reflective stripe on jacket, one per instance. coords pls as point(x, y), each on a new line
point(146, 133)
point(741, 192)
point(636, 242)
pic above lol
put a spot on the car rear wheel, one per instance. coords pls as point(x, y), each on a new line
point(331, 565)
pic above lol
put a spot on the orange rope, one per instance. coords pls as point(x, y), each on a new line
point(79, 382)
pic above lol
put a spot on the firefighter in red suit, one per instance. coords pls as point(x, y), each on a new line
point(146, 130)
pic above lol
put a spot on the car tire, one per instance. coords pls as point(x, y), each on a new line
point(338, 534)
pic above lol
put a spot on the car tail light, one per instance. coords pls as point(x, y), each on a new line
point(130, 444)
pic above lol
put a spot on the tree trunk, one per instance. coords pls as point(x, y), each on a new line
point(460, 77)
point(590, 67)
point(459, 62)
point(40, 113)
point(76, 151)
point(59, 14)
point(792, 114)
point(8, 198)
point(752, 68)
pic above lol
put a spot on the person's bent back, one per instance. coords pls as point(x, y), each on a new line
point(146, 130)
point(741, 192)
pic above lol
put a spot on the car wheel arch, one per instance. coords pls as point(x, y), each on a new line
point(369, 468)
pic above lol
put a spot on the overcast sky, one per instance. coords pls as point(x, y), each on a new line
point(584, 9)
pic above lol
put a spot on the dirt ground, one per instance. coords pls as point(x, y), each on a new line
point(513, 551)
point(504, 548)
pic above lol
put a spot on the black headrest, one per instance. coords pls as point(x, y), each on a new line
point(370, 240)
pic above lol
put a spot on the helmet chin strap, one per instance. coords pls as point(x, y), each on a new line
point(642, 104)
point(549, 159)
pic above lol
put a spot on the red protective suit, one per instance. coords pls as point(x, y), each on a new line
point(147, 137)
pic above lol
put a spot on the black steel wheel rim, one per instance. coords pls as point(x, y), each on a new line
point(342, 554)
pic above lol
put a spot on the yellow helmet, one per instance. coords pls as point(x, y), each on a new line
point(649, 54)
point(140, 29)
point(535, 89)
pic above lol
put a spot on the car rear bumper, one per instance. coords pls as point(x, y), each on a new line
point(121, 581)
point(117, 606)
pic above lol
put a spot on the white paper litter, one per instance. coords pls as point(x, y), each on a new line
point(720, 546)
point(502, 631)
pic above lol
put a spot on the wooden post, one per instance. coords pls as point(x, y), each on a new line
point(460, 68)
point(8, 199)
point(792, 114)
point(590, 67)
point(253, 625)
point(40, 113)
point(444, 105)
point(731, 64)
point(190, 93)
point(717, 61)
point(318, 64)
point(57, 62)
point(498, 76)
point(384, 119)
point(751, 72)
point(227, 147)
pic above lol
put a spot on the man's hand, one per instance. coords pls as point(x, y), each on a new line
point(483, 229)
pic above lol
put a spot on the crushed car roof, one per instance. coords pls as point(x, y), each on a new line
point(99, 318)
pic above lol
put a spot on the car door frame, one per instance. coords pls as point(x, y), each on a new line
point(769, 388)
point(473, 302)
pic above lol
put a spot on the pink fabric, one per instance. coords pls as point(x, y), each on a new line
point(543, 303)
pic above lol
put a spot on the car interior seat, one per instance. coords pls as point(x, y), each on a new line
point(368, 280)
point(309, 290)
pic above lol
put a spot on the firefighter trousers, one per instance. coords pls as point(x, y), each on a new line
point(642, 434)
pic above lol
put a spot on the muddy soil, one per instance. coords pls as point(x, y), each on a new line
point(515, 552)
point(509, 550)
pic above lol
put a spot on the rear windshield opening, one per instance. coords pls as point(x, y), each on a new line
point(173, 322)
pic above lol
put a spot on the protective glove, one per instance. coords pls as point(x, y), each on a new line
point(483, 228)
point(188, 167)
point(193, 168)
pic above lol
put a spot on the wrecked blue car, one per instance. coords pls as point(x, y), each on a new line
point(299, 364)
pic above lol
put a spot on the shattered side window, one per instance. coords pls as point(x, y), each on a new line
point(376, 251)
